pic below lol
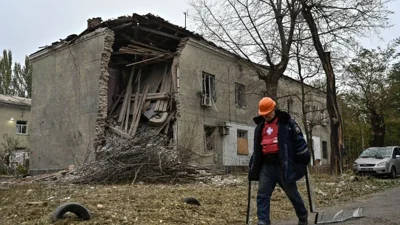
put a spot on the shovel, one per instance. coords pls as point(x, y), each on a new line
point(330, 217)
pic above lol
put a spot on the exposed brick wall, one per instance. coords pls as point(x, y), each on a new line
point(103, 89)
point(175, 85)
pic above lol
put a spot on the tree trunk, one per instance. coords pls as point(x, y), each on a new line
point(310, 145)
point(271, 83)
point(378, 130)
point(332, 106)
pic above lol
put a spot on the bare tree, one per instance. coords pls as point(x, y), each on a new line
point(339, 21)
point(259, 31)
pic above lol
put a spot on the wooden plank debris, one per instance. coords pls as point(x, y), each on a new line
point(167, 121)
point(135, 121)
point(162, 105)
point(153, 96)
point(157, 32)
point(141, 44)
point(129, 89)
point(148, 88)
point(115, 104)
point(118, 131)
point(147, 60)
point(128, 110)
point(136, 107)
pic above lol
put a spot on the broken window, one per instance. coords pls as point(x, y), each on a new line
point(240, 95)
point(22, 127)
point(209, 133)
point(209, 94)
point(242, 142)
point(324, 150)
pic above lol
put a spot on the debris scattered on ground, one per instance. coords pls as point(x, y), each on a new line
point(225, 180)
point(146, 203)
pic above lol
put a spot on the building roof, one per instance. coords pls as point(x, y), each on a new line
point(14, 101)
point(151, 30)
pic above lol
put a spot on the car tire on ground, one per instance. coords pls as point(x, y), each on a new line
point(79, 210)
point(191, 201)
point(393, 172)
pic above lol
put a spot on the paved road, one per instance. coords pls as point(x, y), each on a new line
point(382, 208)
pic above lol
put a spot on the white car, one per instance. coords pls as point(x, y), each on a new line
point(379, 161)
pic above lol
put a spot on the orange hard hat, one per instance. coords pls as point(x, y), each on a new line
point(266, 105)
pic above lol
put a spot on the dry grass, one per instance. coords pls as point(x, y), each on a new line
point(161, 204)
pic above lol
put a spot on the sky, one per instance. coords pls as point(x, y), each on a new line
point(27, 25)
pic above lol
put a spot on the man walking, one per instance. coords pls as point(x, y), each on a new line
point(280, 156)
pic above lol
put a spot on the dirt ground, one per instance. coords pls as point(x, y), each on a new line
point(223, 200)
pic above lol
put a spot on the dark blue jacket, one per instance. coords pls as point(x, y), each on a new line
point(293, 150)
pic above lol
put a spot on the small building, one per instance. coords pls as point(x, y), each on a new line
point(130, 73)
point(15, 114)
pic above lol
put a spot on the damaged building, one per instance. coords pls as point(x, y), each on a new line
point(140, 72)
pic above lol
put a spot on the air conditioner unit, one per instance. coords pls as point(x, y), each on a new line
point(224, 130)
point(206, 101)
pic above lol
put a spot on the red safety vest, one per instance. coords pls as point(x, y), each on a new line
point(269, 140)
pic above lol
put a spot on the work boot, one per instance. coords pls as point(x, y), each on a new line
point(303, 221)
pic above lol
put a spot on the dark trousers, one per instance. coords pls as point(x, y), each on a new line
point(270, 175)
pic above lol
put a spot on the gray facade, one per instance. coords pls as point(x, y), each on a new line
point(66, 103)
point(198, 58)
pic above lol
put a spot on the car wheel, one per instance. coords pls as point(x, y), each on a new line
point(393, 173)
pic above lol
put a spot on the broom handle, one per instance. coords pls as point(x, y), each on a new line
point(248, 203)
point(309, 191)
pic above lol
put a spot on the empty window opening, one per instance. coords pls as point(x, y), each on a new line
point(209, 95)
point(209, 133)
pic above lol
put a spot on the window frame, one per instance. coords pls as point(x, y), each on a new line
point(208, 88)
point(19, 127)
